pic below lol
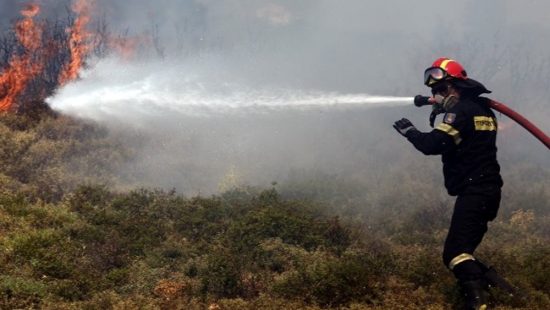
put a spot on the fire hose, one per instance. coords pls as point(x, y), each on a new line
point(500, 107)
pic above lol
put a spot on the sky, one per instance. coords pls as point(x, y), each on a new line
point(347, 47)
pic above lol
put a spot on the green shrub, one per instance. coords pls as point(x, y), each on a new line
point(19, 292)
point(35, 244)
point(41, 250)
point(294, 222)
point(221, 276)
point(117, 277)
point(72, 290)
point(358, 275)
point(537, 268)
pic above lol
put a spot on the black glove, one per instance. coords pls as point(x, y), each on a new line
point(403, 126)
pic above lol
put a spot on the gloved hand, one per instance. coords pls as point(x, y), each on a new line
point(403, 126)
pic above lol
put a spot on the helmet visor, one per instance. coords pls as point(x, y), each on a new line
point(433, 75)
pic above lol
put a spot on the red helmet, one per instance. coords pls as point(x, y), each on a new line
point(444, 69)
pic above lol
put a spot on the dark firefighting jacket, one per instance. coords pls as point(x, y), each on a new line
point(466, 141)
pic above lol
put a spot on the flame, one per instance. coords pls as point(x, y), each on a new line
point(21, 68)
point(34, 50)
point(27, 32)
point(79, 41)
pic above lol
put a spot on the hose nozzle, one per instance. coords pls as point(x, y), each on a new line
point(420, 100)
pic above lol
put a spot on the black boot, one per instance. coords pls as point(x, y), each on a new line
point(475, 294)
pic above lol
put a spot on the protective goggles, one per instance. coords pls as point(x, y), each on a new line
point(433, 75)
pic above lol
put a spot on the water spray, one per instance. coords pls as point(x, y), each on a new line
point(420, 101)
point(133, 93)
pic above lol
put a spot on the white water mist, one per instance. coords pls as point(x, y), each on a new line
point(190, 124)
point(113, 89)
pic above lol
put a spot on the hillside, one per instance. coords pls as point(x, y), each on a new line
point(73, 237)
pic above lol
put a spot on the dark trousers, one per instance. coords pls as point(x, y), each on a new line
point(471, 214)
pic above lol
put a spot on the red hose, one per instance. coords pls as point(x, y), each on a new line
point(539, 134)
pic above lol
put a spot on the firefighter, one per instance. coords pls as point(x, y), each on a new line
point(466, 142)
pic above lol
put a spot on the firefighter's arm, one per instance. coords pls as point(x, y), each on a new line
point(445, 136)
point(431, 143)
point(438, 141)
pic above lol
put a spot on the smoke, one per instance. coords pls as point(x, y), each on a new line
point(250, 90)
point(193, 125)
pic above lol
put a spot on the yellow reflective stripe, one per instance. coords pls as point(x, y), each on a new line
point(451, 131)
point(444, 63)
point(485, 123)
point(459, 259)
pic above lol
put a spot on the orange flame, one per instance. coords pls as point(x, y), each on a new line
point(25, 66)
point(79, 41)
point(21, 68)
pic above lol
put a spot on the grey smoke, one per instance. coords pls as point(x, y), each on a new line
point(346, 47)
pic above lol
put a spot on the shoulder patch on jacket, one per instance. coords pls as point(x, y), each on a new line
point(485, 123)
point(449, 118)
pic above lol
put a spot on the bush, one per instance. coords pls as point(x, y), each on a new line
point(68, 240)
point(222, 275)
point(330, 281)
point(537, 266)
point(18, 292)
point(41, 249)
